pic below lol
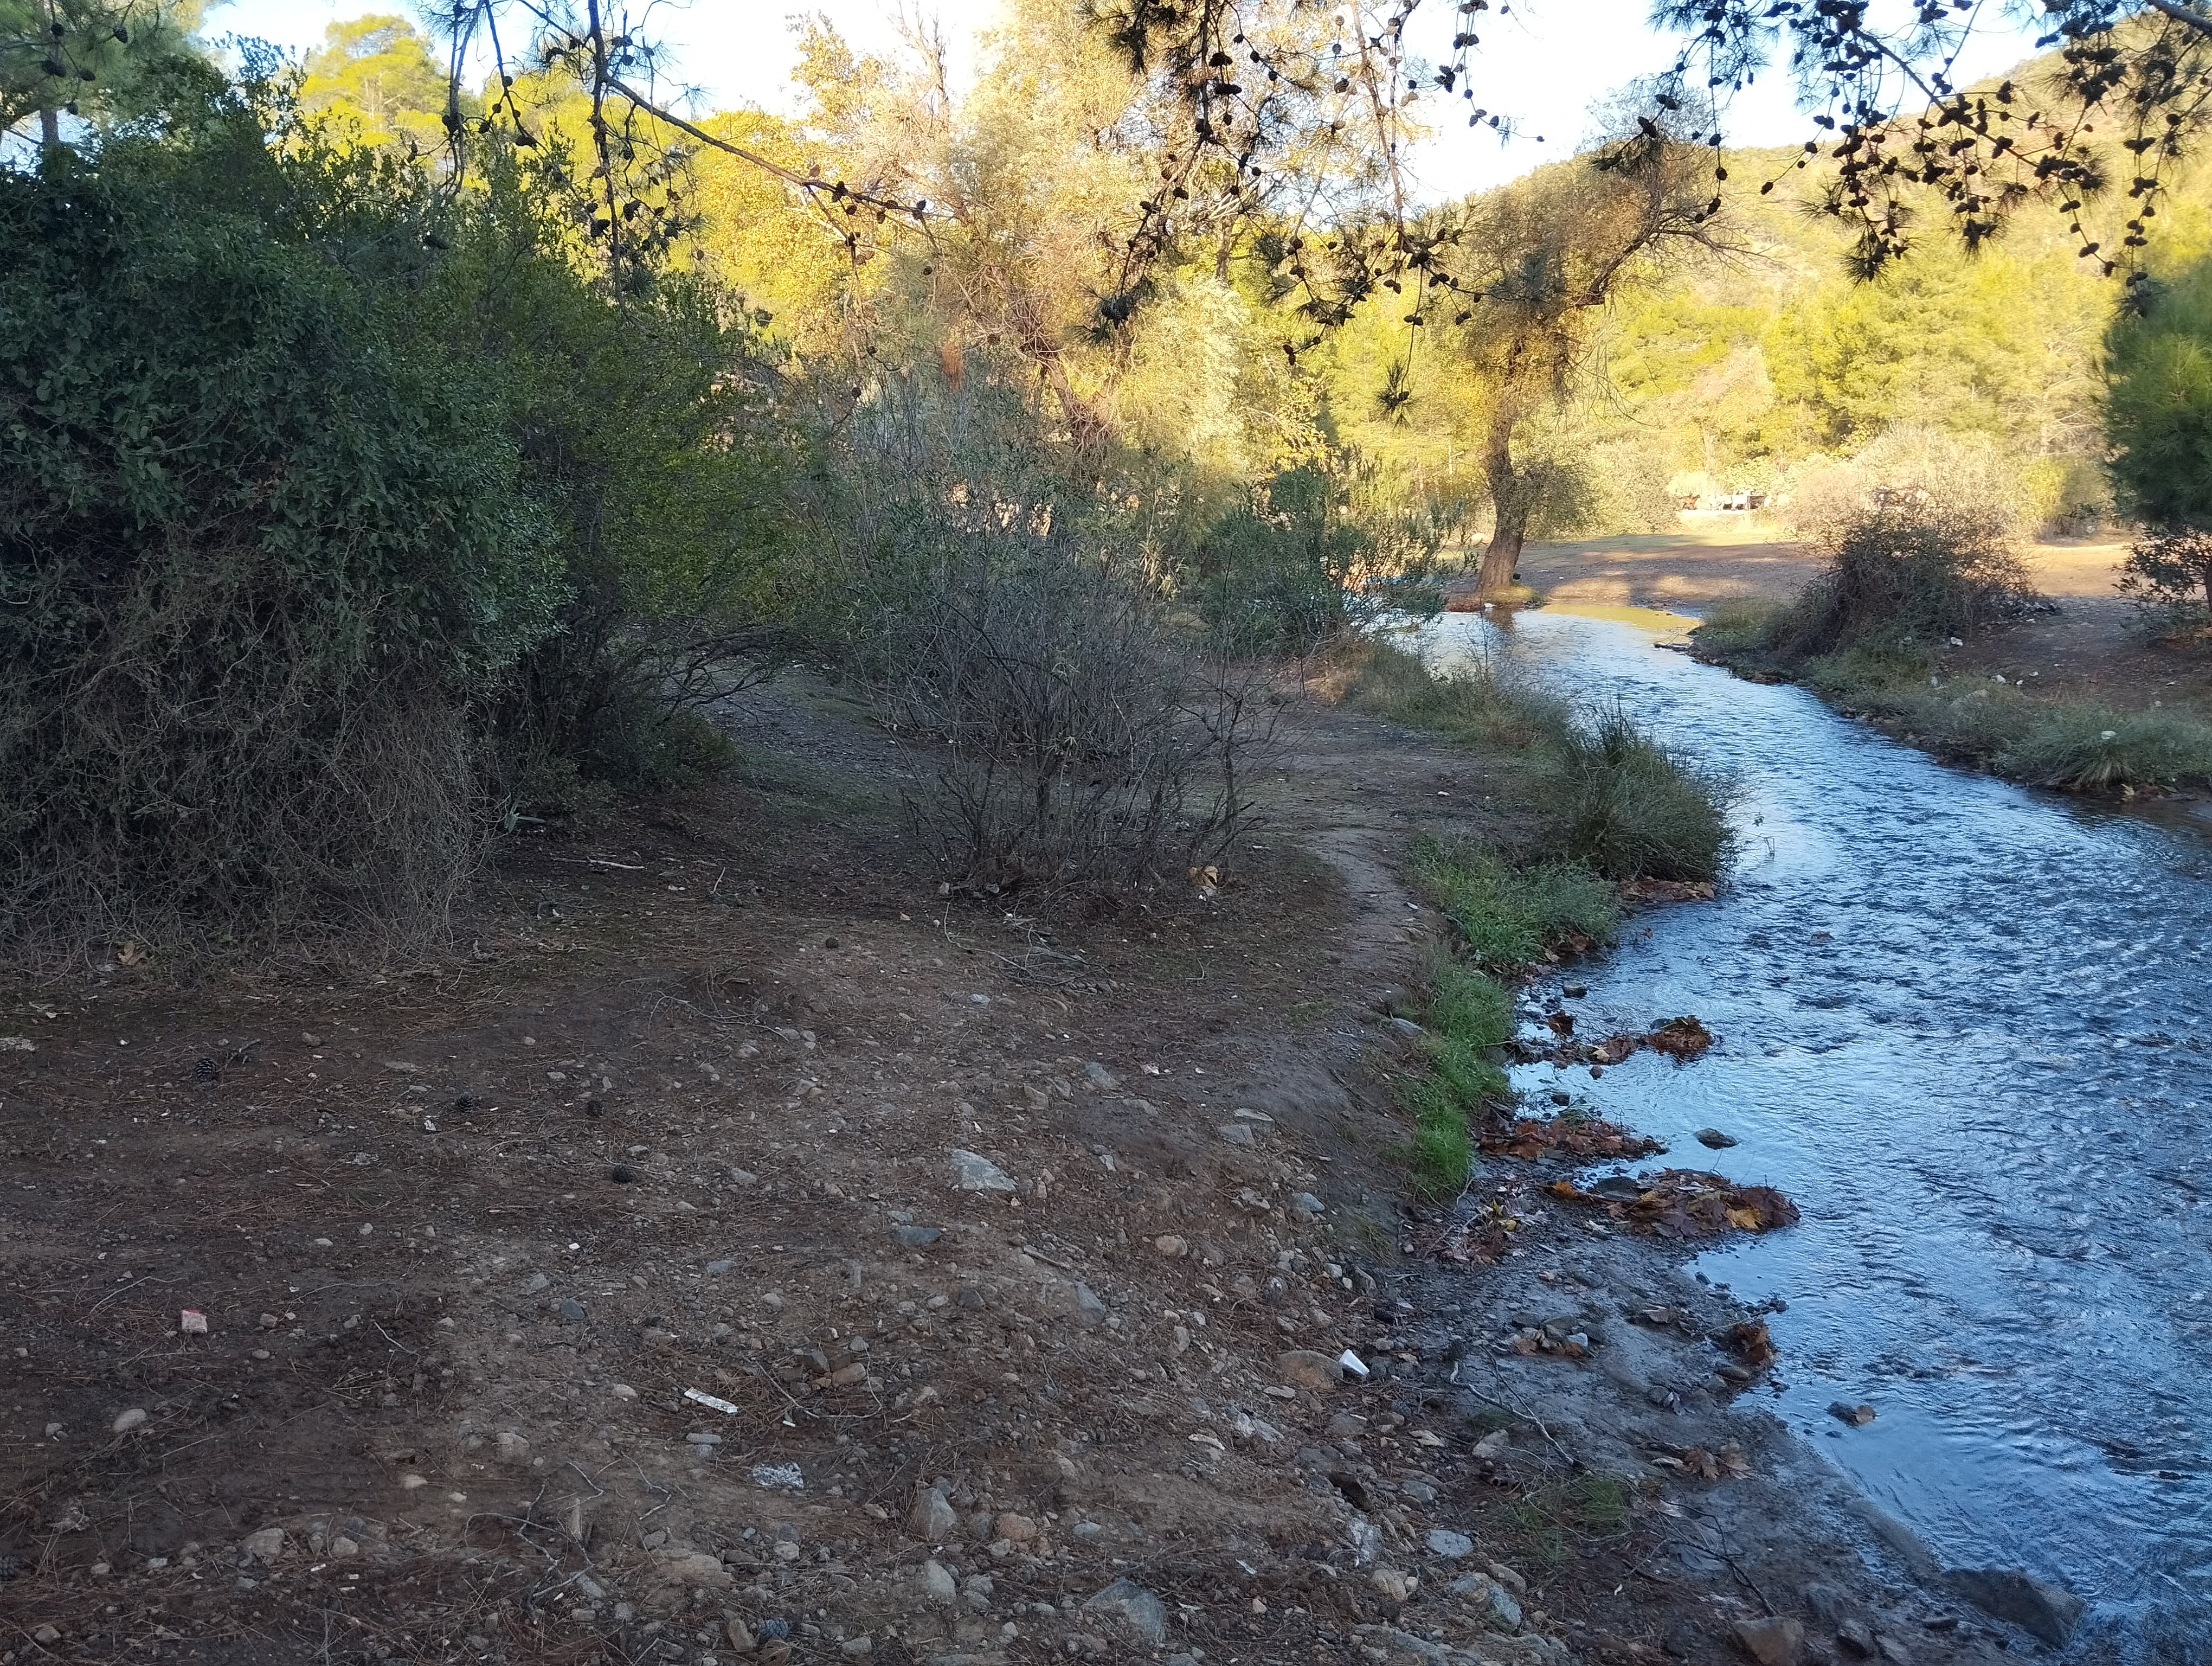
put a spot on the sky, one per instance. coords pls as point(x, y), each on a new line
point(1544, 65)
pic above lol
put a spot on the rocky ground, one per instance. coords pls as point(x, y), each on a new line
point(742, 1253)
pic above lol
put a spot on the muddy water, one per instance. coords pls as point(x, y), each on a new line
point(1968, 1027)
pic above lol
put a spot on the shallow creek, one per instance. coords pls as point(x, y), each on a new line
point(1968, 1028)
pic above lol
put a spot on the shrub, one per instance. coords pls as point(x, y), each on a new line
point(2169, 577)
point(1314, 554)
point(1634, 809)
point(1471, 704)
point(1084, 739)
point(2087, 750)
point(260, 553)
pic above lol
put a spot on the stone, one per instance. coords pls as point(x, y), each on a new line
point(126, 1421)
point(1407, 1028)
point(937, 1583)
point(1857, 1416)
point(857, 1648)
point(973, 1173)
point(571, 1310)
point(1508, 1578)
point(1018, 1528)
point(1236, 1133)
point(2047, 1612)
point(1169, 1245)
point(1309, 1370)
point(931, 1520)
point(1099, 1077)
point(1714, 1139)
point(916, 1238)
point(1395, 1584)
point(1498, 1604)
point(1683, 1641)
point(1135, 1607)
point(513, 1448)
point(342, 1545)
point(1857, 1637)
point(1451, 1545)
point(266, 1546)
point(1088, 1307)
point(740, 1635)
point(47, 1635)
point(1771, 1641)
point(716, 1269)
point(692, 1567)
point(1305, 1206)
point(538, 1282)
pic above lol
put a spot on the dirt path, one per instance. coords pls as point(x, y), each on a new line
point(740, 1253)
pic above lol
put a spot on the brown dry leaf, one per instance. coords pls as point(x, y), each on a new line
point(1750, 1343)
point(129, 954)
point(1744, 1219)
point(1733, 1461)
point(1530, 1138)
point(1683, 1038)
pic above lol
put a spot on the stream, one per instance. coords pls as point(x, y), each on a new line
point(1967, 1027)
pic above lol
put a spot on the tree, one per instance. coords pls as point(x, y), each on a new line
point(92, 58)
point(1525, 273)
point(2158, 419)
point(376, 72)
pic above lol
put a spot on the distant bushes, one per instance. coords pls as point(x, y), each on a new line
point(1917, 533)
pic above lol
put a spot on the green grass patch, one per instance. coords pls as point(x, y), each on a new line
point(1743, 625)
point(1548, 1524)
point(1469, 705)
point(2077, 746)
point(1468, 1016)
point(1508, 916)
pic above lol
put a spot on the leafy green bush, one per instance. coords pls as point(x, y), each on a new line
point(260, 553)
point(1306, 559)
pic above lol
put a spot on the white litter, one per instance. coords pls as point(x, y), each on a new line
point(708, 1400)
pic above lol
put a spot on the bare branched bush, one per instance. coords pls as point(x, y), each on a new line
point(1918, 535)
point(1087, 739)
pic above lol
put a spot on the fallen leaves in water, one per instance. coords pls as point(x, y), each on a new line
point(1686, 1203)
point(1750, 1343)
point(1681, 1039)
point(1580, 1137)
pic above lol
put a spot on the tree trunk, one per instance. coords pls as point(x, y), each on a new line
point(1510, 501)
point(50, 128)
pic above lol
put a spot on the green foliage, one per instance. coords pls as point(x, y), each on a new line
point(258, 552)
point(374, 75)
point(1468, 1017)
point(1305, 560)
point(2160, 415)
point(1508, 916)
point(1469, 705)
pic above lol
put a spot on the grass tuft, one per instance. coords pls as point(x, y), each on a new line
point(1508, 916)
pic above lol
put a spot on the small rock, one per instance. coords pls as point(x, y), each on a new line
point(916, 1238)
point(1857, 1637)
point(571, 1310)
point(47, 1635)
point(932, 1518)
point(1715, 1139)
point(938, 1584)
point(341, 1546)
point(972, 1173)
point(1305, 1206)
point(1236, 1133)
point(740, 1635)
point(1099, 1077)
point(2049, 1612)
point(1493, 1442)
point(1857, 1416)
point(1309, 1370)
point(778, 1477)
point(1616, 1188)
point(1771, 1642)
point(716, 1269)
point(538, 1282)
point(1087, 1305)
point(1135, 1607)
point(126, 1421)
point(1395, 1583)
point(1018, 1528)
point(1444, 1542)
point(1170, 1246)
point(513, 1448)
point(1508, 1578)
point(622, 1174)
point(411, 1482)
point(857, 1648)
point(1407, 1028)
point(1683, 1641)
point(266, 1546)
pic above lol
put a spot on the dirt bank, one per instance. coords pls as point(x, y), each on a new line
point(741, 1254)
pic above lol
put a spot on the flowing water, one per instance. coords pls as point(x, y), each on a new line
point(1968, 1028)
